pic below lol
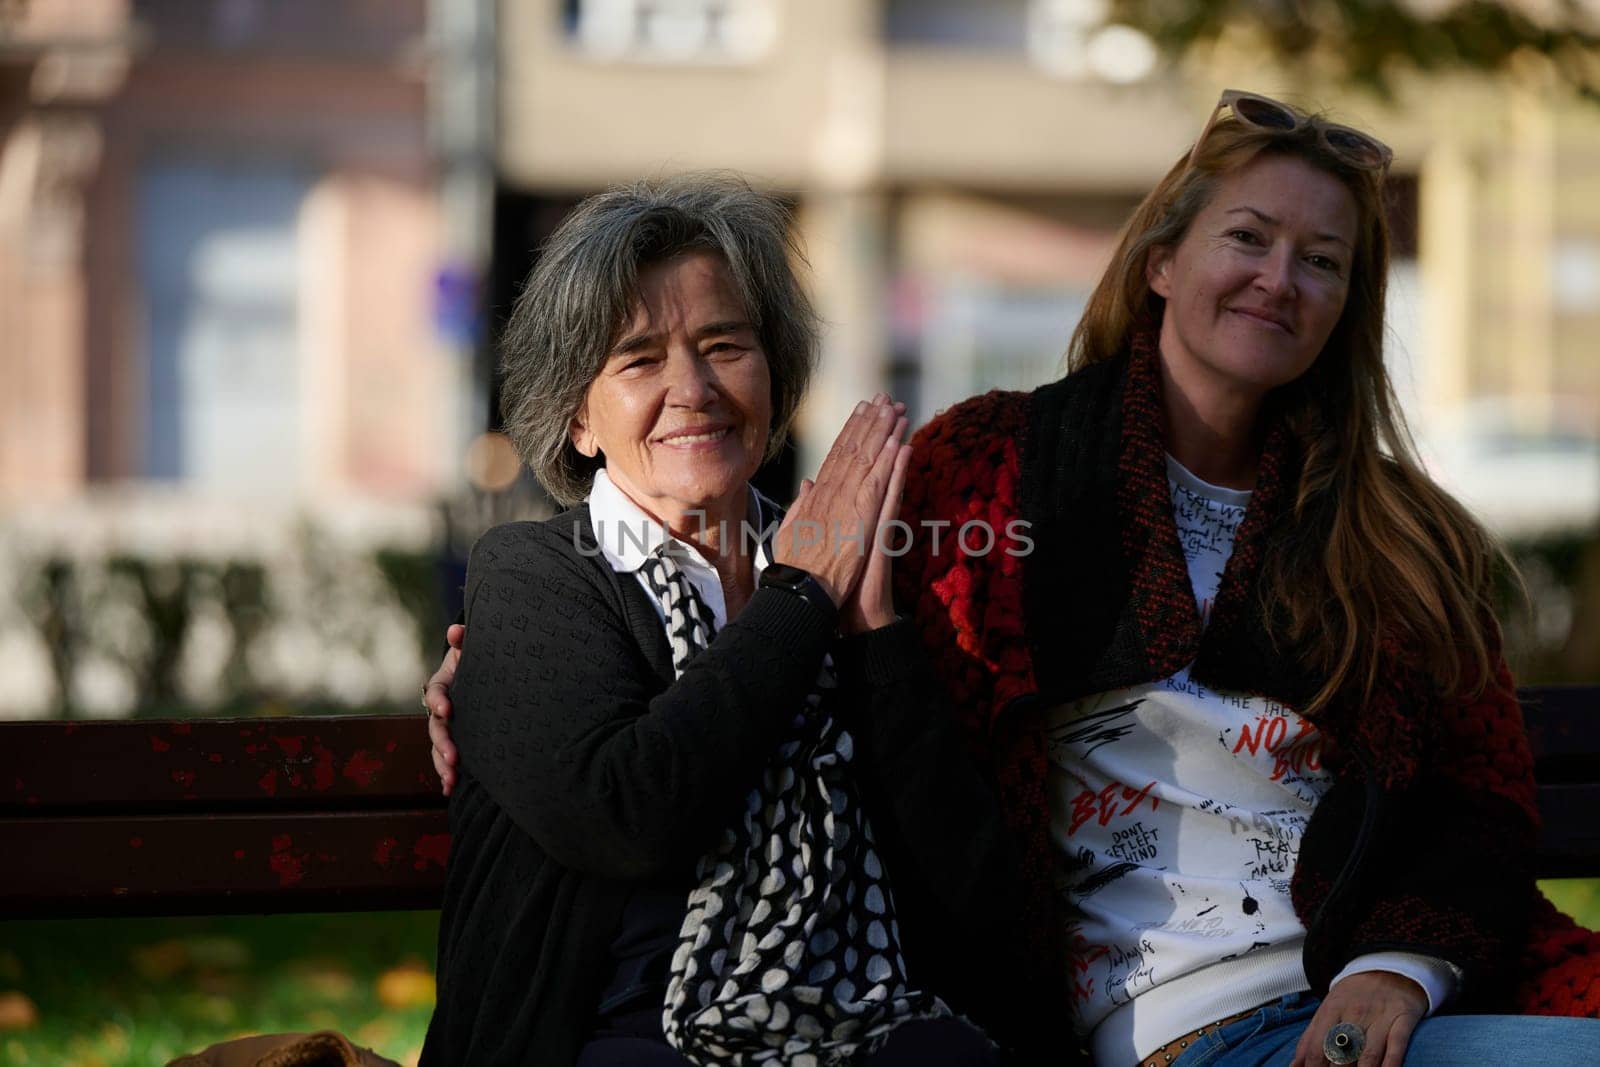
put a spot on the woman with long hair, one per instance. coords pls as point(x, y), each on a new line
point(1244, 701)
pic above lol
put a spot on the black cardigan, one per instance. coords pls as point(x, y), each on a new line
point(586, 769)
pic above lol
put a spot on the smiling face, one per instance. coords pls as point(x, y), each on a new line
point(1258, 282)
point(682, 407)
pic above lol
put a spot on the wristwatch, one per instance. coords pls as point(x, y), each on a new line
point(800, 583)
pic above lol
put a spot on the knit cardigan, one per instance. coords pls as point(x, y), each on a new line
point(1423, 843)
point(586, 769)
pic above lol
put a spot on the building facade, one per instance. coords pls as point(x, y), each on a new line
point(961, 169)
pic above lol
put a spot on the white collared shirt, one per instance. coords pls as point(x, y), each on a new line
point(628, 535)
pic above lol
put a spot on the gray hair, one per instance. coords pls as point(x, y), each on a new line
point(580, 292)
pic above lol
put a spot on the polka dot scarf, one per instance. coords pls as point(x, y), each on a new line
point(789, 951)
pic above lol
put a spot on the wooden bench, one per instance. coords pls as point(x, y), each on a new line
point(1564, 732)
point(344, 813)
point(220, 816)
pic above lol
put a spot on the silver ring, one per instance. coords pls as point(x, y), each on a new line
point(1344, 1043)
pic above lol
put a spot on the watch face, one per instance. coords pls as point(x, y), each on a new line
point(783, 574)
point(800, 583)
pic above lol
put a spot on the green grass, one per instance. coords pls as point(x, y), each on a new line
point(1578, 897)
point(137, 992)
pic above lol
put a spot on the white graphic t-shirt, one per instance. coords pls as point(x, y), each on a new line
point(1166, 880)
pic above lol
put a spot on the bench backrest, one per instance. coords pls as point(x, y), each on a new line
point(222, 815)
point(344, 813)
point(1564, 732)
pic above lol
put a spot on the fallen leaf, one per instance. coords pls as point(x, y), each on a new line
point(160, 961)
point(17, 1012)
point(218, 953)
point(328, 984)
point(410, 985)
point(378, 1033)
point(114, 1041)
point(325, 977)
point(82, 1053)
point(218, 983)
point(207, 1007)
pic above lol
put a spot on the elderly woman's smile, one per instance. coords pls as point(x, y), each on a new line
point(694, 438)
point(682, 406)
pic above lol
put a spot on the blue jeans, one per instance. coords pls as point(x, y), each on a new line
point(1268, 1037)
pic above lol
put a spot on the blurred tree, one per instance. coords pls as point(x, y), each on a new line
point(243, 587)
point(413, 580)
point(1368, 43)
point(51, 602)
point(166, 602)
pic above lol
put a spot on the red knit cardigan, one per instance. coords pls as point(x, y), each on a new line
point(979, 468)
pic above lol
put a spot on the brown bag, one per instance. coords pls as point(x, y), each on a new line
point(325, 1048)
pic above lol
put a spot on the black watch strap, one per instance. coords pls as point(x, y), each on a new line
point(800, 583)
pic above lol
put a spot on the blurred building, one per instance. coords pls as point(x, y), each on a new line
point(243, 236)
point(961, 169)
point(246, 247)
point(223, 244)
point(230, 301)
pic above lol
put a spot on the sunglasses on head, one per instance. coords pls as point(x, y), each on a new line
point(1264, 113)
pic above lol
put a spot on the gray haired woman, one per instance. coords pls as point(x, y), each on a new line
point(706, 810)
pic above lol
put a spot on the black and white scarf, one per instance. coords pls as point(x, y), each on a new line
point(789, 951)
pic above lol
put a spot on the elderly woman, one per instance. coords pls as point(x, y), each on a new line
point(679, 829)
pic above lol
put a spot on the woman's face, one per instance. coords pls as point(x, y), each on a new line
point(1257, 284)
point(682, 407)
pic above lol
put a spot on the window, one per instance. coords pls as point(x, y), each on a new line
point(1064, 38)
point(1069, 38)
point(219, 262)
point(990, 26)
point(673, 31)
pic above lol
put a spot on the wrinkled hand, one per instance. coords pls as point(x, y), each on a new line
point(872, 604)
point(436, 696)
point(827, 531)
point(1386, 1005)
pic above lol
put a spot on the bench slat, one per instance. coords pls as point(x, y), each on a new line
point(211, 764)
point(219, 864)
point(344, 813)
point(1563, 731)
point(281, 763)
point(1569, 846)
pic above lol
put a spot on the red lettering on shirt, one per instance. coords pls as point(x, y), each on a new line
point(1102, 806)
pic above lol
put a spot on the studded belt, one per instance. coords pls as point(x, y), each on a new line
point(1179, 1045)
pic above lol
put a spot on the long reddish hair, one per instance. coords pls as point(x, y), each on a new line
point(1376, 553)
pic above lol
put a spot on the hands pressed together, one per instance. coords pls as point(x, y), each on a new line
point(831, 531)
